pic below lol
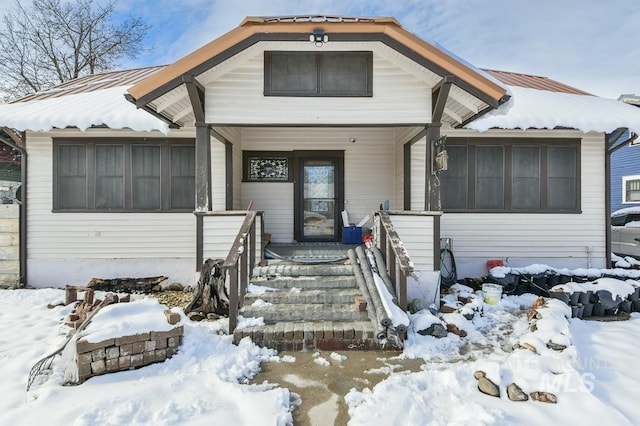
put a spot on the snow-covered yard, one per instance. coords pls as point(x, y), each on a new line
point(206, 382)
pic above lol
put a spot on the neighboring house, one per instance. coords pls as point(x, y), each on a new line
point(625, 168)
point(302, 117)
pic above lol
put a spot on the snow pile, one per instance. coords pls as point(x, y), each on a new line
point(82, 110)
point(541, 109)
point(202, 384)
point(615, 286)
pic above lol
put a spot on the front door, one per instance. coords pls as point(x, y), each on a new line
point(318, 198)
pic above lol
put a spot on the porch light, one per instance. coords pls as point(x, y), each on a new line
point(318, 37)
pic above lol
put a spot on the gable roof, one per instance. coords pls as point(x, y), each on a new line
point(296, 28)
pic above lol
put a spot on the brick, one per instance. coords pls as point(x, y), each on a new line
point(112, 364)
point(278, 331)
point(137, 347)
point(136, 360)
point(124, 361)
point(98, 367)
point(84, 359)
point(132, 339)
point(298, 332)
point(98, 354)
point(359, 334)
point(84, 370)
point(126, 349)
point(173, 342)
point(83, 346)
point(288, 331)
point(328, 330)
point(172, 317)
point(113, 352)
point(349, 333)
point(161, 343)
point(150, 346)
point(361, 304)
point(149, 357)
point(171, 352)
point(174, 332)
point(161, 355)
point(338, 332)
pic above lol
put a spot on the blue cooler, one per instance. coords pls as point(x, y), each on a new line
point(352, 235)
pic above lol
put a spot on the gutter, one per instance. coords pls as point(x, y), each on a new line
point(23, 205)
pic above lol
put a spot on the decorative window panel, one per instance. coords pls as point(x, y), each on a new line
point(267, 166)
point(631, 189)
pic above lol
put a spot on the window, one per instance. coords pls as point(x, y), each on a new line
point(631, 189)
point(267, 166)
point(318, 74)
point(124, 175)
point(512, 175)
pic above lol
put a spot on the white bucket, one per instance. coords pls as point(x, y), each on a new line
point(492, 293)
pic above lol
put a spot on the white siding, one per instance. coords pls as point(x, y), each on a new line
point(417, 233)
point(220, 231)
point(58, 243)
point(403, 135)
point(418, 155)
point(401, 92)
point(9, 244)
point(218, 175)
point(369, 165)
point(559, 240)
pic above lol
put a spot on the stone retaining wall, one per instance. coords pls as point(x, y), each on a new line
point(125, 353)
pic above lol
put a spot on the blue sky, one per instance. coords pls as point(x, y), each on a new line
point(591, 44)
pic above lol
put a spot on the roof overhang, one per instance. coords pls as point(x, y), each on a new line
point(384, 30)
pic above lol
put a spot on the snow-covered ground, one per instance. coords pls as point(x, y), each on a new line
point(206, 381)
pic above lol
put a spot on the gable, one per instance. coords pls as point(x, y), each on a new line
point(156, 91)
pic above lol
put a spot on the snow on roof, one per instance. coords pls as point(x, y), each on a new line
point(101, 107)
point(542, 109)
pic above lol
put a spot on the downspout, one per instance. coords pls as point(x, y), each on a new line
point(23, 205)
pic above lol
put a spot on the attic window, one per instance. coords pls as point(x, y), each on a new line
point(318, 74)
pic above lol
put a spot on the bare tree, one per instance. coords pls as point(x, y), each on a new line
point(49, 42)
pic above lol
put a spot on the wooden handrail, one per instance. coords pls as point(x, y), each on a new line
point(396, 257)
point(243, 252)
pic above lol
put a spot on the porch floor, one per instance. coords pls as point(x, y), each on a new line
point(308, 252)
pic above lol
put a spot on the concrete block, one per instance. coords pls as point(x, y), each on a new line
point(132, 339)
point(173, 342)
point(161, 355)
point(98, 367)
point(112, 365)
point(149, 357)
point(113, 352)
point(124, 361)
point(136, 360)
point(126, 349)
point(161, 343)
point(84, 370)
point(98, 354)
point(150, 346)
point(84, 359)
point(83, 346)
point(172, 317)
point(137, 347)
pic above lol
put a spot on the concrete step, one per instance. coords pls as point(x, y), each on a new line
point(273, 313)
point(292, 296)
point(307, 335)
point(308, 282)
point(288, 269)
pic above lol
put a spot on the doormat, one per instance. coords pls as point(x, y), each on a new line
point(308, 252)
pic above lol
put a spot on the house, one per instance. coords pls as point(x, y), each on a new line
point(625, 168)
point(301, 117)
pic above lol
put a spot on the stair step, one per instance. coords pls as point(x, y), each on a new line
point(338, 295)
point(285, 269)
point(309, 282)
point(307, 335)
point(304, 312)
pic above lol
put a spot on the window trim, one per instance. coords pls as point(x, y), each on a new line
point(625, 179)
point(508, 144)
point(247, 155)
point(90, 183)
point(318, 59)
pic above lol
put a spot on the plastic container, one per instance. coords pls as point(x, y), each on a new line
point(493, 263)
point(352, 235)
point(492, 293)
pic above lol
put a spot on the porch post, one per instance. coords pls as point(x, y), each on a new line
point(432, 184)
point(203, 168)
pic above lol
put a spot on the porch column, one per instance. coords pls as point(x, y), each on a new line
point(203, 167)
point(432, 184)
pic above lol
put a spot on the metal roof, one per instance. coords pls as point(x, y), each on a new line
point(534, 82)
point(93, 82)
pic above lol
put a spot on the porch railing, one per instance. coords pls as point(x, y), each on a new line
point(394, 255)
point(401, 232)
point(240, 263)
